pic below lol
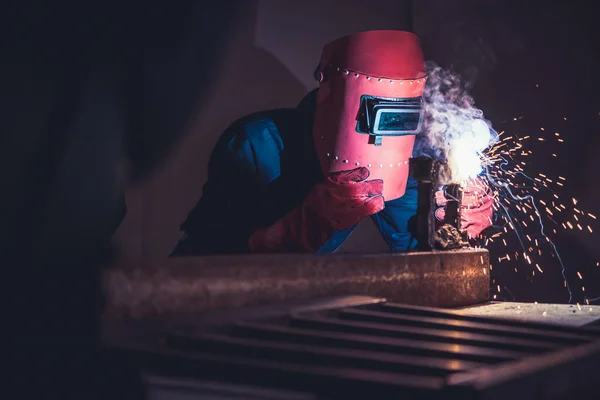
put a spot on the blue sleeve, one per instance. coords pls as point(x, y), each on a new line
point(236, 200)
point(397, 221)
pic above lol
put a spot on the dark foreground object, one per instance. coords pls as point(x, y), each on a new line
point(360, 347)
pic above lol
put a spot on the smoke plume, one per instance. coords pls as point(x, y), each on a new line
point(454, 130)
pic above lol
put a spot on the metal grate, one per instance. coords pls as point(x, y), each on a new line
point(387, 350)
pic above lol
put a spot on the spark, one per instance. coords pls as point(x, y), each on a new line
point(538, 267)
point(524, 201)
point(515, 200)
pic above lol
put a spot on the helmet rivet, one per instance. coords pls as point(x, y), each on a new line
point(337, 158)
point(369, 165)
point(346, 72)
point(346, 161)
point(368, 78)
point(380, 165)
point(356, 75)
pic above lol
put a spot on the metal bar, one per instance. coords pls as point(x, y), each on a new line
point(365, 350)
point(303, 354)
point(331, 382)
point(188, 285)
point(426, 334)
point(583, 332)
point(374, 343)
point(463, 326)
point(176, 388)
point(561, 375)
point(425, 170)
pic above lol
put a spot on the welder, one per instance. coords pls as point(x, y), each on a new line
point(301, 180)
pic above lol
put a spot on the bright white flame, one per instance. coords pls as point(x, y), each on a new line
point(464, 153)
point(454, 130)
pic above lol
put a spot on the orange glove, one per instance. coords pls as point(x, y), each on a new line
point(338, 203)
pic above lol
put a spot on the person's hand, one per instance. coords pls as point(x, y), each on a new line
point(346, 197)
point(477, 209)
point(338, 202)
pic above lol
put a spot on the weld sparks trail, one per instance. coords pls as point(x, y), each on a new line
point(528, 207)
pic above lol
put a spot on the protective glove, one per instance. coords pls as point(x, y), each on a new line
point(477, 209)
point(337, 203)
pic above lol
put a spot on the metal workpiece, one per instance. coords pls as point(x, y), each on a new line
point(352, 348)
point(454, 195)
point(425, 171)
point(442, 235)
point(199, 284)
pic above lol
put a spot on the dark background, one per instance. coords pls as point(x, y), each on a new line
point(112, 103)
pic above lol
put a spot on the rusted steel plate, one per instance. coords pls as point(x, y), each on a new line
point(197, 284)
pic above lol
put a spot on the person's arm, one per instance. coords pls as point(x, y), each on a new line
point(337, 203)
point(246, 206)
point(236, 199)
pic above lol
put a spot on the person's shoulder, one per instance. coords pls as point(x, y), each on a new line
point(276, 126)
point(265, 125)
point(264, 129)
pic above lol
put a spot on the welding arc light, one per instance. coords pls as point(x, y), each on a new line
point(466, 148)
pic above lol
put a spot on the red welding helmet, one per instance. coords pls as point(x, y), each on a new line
point(369, 106)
